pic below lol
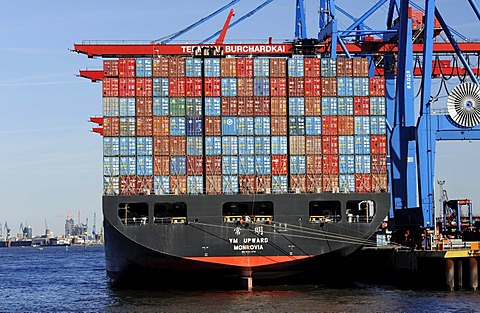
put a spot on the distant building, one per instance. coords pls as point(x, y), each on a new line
point(70, 228)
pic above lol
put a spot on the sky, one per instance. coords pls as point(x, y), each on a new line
point(50, 161)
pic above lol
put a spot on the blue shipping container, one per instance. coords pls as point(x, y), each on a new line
point(143, 67)
point(362, 144)
point(296, 106)
point(279, 184)
point(194, 126)
point(110, 106)
point(194, 145)
point(212, 67)
point(177, 126)
point(229, 184)
point(229, 165)
point(193, 106)
point(229, 126)
point(195, 185)
point(213, 145)
point(144, 146)
point(378, 125)
point(193, 67)
point(161, 87)
point(213, 106)
point(229, 145)
point(361, 125)
point(229, 87)
point(361, 86)
point(246, 165)
point(362, 164)
point(297, 164)
point(345, 106)
point(346, 144)
point(128, 146)
point(279, 145)
point(345, 86)
point(178, 165)
point(145, 165)
point(297, 126)
point(328, 67)
point(245, 125)
point(111, 166)
point(377, 106)
point(127, 107)
point(262, 145)
point(347, 183)
point(263, 164)
point(262, 125)
point(161, 185)
point(111, 146)
point(329, 106)
point(346, 164)
point(128, 166)
point(313, 125)
point(261, 67)
point(261, 87)
point(161, 106)
point(246, 145)
point(296, 67)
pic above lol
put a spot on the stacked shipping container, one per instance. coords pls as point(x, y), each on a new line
point(175, 125)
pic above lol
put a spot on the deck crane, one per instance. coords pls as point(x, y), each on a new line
point(411, 136)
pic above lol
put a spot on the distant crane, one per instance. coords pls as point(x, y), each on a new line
point(94, 228)
point(7, 229)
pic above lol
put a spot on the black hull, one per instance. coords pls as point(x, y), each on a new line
point(205, 250)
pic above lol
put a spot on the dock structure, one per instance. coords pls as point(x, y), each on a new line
point(440, 268)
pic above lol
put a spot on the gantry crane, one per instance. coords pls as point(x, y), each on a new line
point(399, 52)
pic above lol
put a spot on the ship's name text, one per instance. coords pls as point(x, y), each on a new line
point(248, 243)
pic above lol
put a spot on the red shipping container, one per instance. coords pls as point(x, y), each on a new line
point(213, 165)
point(361, 106)
point(379, 183)
point(214, 184)
point(312, 67)
point(261, 106)
point(127, 87)
point(330, 183)
point(229, 106)
point(278, 67)
point(377, 86)
point(160, 67)
point(346, 125)
point(178, 145)
point(161, 165)
point(330, 144)
point(178, 185)
point(314, 164)
point(161, 125)
point(177, 87)
point(126, 67)
point(245, 106)
point(193, 87)
point(278, 126)
point(360, 67)
point(111, 126)
point(278, 87)
point(296, 86)
point(213, 126)
point(228, 67)
point(144, 126)
point(279, 165)
point(195, 165)
point(314, 183)
point(330, 164)
point(298, 183)
point(144, 185)
point(363, 183)
point(379, 164)
point(161, 145)
point(344, 67)
point(245, 87)
point(313, 106)
point(329, 86)
point(128, 185)
point(378, 144)
point(110, 87)
point(313, 87)
point(245, 67)
point(212, 87)
point(144, 87)
point(278, 106)
point(314, 145)
point(330, 125)
point(110, 68)
point(263, 183)
point(144, 107)
point(176, 67)
point(246, 184)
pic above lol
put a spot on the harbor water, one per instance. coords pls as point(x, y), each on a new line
point(73, 279)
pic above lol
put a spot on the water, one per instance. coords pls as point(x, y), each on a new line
point(59, 280)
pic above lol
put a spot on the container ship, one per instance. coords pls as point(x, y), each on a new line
point(232, 162)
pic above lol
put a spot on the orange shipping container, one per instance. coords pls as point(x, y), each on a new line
point(377, 86)
point(110, 87)
point(378, 144)
point(213, 165)
point(361, 106)
point(144, 185)
point(330, 164)
point(330, 183)
point(160, 67)
point(363, 183)
point(213, 126)
point(229, 106)
point(263, 183)
point(329, 86)
point(314, 183)
point(128, 185)
point(344, 67)
point(144, 126)
point(278, 67)
point(313, 87)
point(178, 145)
point(195, 165)
point(314, 164)
point(245, 106)
point(228, 67)
point(177, 86)
point(246, 184)
point(178, 184)
point(278, 126)
point(314, 145)
point(297, 145)
point(346, 125)
point(176, 67)
point(126, 67)
point(279, 165)
point(212, 87)
point(161, 125)
point(312, 67)
point(360, 67)
point(379, 164)
point(214, 184)
point(245, 67)
point(161, 145)
point(144, 87)
point(144, 106)
point(296, 86)
point(111, 126)
point(379, 183)
point(278, 106)
point(110, 68)
point(313, 106)
point(261, 106)
point(330, 144)
point(278, 87)
point(298, 183)
point(329, 125)
point(193, 87)
point(245, 87)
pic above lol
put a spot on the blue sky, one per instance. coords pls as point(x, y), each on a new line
point(50, 162)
